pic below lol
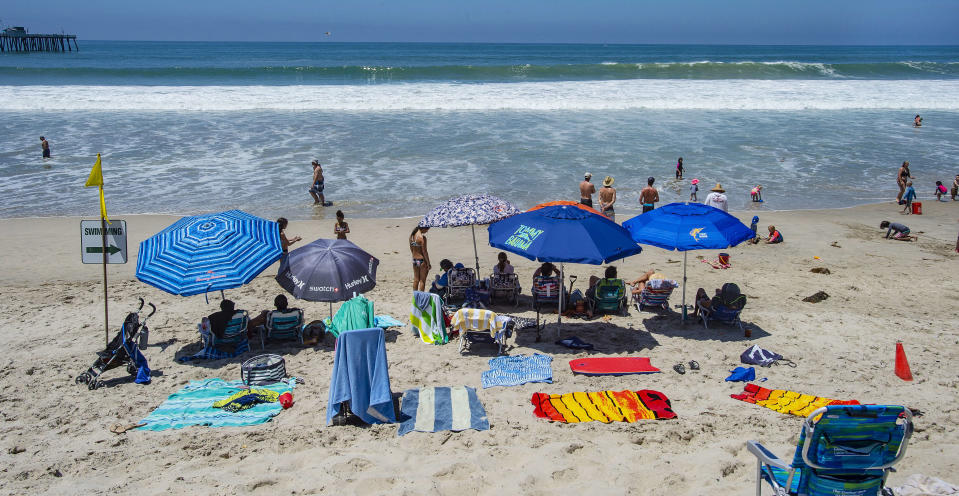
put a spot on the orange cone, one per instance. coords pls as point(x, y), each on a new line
point(902, 365)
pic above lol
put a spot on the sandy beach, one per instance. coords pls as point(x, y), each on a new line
point(56, 438)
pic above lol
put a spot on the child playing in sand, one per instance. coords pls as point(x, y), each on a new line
point(907, 197)
point(901, 231)
point(757, 193)
point(940, 191)
point(341, 228)
point(694, 188)
point(774, 236)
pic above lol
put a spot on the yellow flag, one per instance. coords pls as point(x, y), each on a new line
point(96, 179)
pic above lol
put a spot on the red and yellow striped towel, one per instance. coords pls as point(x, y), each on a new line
point(603, 406)
point(784, 401)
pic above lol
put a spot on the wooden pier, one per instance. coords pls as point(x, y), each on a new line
point(18, 40)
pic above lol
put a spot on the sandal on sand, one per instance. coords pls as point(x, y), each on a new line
point(679, 368)
point(121, 428)
point(694, 365)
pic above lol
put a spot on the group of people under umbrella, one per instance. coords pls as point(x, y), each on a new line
point(220, 251)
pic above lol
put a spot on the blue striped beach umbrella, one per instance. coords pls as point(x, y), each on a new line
point(209, 252)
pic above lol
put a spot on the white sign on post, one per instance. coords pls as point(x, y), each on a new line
point(91, 241)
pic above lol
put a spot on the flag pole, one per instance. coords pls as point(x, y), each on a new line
point(106, 310)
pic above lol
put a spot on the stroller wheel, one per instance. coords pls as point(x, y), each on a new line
point(83, 378)
point(131, 369)
point(93, 385)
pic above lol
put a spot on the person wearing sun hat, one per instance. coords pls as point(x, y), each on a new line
point(607, 197)
point(717, 198)
point(693, 189)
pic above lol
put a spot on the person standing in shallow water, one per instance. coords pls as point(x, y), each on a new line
point(649, 196)
point(45, 147)
point(679, 168)
point(316, 191)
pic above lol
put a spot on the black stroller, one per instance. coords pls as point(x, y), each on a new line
point(116, 353)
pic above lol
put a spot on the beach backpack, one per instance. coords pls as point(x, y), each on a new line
point(731, 297)
point(758, 356)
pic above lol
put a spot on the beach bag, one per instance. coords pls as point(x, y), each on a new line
point(731, 297)
point(758, 356)
point(263, 369)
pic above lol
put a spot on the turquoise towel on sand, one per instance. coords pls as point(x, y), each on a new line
point(193, 405)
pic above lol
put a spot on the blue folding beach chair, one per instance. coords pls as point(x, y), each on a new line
point(283, 325)
point(842, 450)
point(234, 336)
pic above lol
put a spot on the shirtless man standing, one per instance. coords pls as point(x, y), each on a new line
point(649, 196)
point(586, 190)
point(45, 146)
point(317, 190)
point(607, 197)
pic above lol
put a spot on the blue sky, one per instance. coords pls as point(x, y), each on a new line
point(523, 21)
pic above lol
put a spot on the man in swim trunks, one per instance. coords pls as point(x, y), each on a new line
point(649, 196)
point(901, 179)
point(45, 146)
point(586, 190)
point(607, 198)
point(317, 190)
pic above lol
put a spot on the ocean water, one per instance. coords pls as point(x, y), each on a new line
point(194, 127)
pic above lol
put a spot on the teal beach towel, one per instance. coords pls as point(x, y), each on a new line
point(193, 405)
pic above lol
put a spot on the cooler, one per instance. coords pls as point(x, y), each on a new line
point(917, 208)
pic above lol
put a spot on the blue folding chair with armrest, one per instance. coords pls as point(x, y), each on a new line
point(845, 450)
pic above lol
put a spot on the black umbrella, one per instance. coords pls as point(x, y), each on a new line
point(327, 270)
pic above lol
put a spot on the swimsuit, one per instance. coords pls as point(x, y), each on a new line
point(586, 201)
point(647, 207)
point(317, 187)
point(418, 262)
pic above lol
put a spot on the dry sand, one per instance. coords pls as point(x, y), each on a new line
point(55, 436)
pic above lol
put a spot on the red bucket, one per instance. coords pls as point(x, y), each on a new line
point(724, 258)
point(917, 208)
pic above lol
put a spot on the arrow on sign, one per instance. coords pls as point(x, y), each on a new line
point(99, 249)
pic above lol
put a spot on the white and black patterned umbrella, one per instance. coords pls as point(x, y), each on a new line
point(469, 210)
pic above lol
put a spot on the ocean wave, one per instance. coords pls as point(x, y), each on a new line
point(352, 74)
point(591, 95)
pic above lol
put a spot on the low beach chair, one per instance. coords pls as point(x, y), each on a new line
point(460, 281)
point(656, 294)
point(505, 286)
point(546, 292)
point(481, 326)
point(283, 326)
point(725, 307)
point(843, 449)
point(234, 336)
point(609, 295)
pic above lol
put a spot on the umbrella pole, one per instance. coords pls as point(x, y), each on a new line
point(331, 310)
point(562, 289)
point(475, 253)
point(684, 287)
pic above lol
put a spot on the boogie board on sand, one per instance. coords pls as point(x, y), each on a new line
point(612, 366)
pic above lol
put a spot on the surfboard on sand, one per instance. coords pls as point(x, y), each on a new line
point(612, 366)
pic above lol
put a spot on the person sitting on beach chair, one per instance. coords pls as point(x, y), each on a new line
point(226, 330)
point(443, 280)
point(281, 323)
point(725, 306)
point(607, 294)
point(652, 289)
point(898, 231)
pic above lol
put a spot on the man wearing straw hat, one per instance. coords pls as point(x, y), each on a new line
point(607, 197)
point(717, 198)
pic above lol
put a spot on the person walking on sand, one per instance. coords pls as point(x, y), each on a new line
point(316, 191)
point(679, 168)
point(717, 198)
point(649, 196)
point(421, 257)
point(607, 198)
point(341, 228)
point(586, 190)
point(901, 179)
point(45, 147)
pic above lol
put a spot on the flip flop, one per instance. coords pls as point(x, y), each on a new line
point(694, 365)
point(679, 368)
point(121, 428)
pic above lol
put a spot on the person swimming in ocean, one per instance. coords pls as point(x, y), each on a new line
point(917, 122)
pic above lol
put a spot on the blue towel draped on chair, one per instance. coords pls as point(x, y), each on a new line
point(361, 376)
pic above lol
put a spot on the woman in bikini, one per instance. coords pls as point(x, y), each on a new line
point(904, 174)
point(421, 258)
point(284, 241)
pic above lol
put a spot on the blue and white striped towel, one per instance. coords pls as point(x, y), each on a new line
point(519, 369)
point(434, 409)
